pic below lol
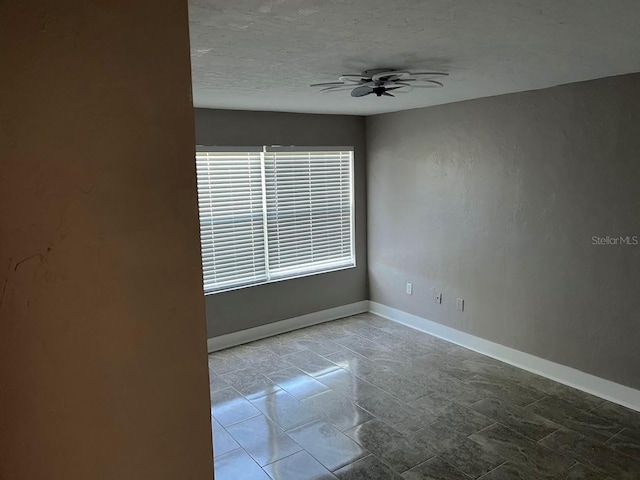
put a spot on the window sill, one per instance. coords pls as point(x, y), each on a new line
point(278, 280)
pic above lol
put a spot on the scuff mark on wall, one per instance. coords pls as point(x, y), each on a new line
point(4, 289)
point(30, 257)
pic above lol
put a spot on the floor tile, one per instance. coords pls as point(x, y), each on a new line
point(627, 442)
point(386, 408)
point(580, 421)
point(376, 320)
point(238, 464)
point(297, 383)
point(577, 398)
point(447, 364)
point(415, 421)
point(396, 385)
point(355, 363)
point(522, 451)
point(580, 472)
point(250, 383)
point(323, 348)
point(625, 417)
point(223, 442)
point(359, 345)
point(311, 363)
point(431, 405)
point(390, 360)
point(486, 366)
point(505, 390)
point(369, 468)
point(402, 392)
point(435, 469)
point(462, 419)
point(283, 409)
point(283, 346)
point(397, 344)
point(377, 336)
point(348, 385)
point(252, 351)
point(332, 329)
point(229, 407)
point(593, 454)
point(263, 440)
point(225, 361)
point(268, 363)
point(327, 444)
point(337, 410)
point(468, 456)
point(453, 388)
point(216, 382)
point(393, 448)
point(299, 466)
point(519, 419)
point(437, 407)
point(509, 471)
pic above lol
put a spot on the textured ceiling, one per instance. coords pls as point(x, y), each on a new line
point(263, 54)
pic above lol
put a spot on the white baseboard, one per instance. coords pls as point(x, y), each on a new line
point(252, 334)
point(600, 387)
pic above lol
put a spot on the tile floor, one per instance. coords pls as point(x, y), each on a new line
point(366, 398)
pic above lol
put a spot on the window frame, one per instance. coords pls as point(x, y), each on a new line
point(289, 148)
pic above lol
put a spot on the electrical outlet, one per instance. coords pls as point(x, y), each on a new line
point(460, 304)
point(409, 288)
point(438, 298)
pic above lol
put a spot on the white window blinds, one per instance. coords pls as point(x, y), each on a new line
point(274, 213)
point(308, 210)
point(231, 218)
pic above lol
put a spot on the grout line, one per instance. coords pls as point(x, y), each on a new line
point(302, 425)
point(612, 437)
point(216, 456)
point(351, 463)
point(479, 431)
point(547, 436)
point(283, 458)
point(533, 403)
point(590, 410)
point(493, 470)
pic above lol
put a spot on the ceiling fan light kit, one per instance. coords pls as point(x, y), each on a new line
point(381, 81)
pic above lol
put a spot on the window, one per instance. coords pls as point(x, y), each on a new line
point(272, 213)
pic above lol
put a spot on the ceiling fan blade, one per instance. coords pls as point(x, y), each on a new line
point(387, 94)
point(361, 91)
point(336, 89)
point(395, 88)
point(326, 84)
point(425, 75)
point(427, 84)
point(350, 77)
point(395, 74)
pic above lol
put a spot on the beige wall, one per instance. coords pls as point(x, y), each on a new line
point(103, 368)
point(259, 305)
point(496, 201)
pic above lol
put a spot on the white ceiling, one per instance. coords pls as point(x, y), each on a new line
point(263, 54)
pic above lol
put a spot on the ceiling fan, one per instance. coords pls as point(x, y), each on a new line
point(381, 81)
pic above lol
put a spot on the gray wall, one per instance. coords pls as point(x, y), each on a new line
point(496, 201)
point(251, 307)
